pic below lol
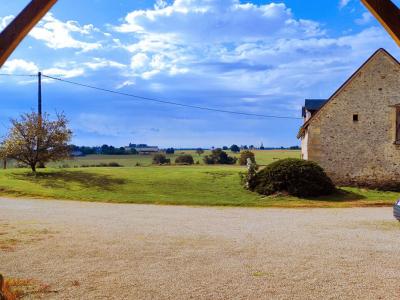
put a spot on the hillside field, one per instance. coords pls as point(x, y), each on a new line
point(177, 185)
point(263, 157)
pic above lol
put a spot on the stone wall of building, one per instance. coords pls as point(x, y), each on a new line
point(363, 151)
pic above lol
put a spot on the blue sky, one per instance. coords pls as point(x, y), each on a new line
point(257, 57)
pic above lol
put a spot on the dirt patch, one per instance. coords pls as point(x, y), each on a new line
point(15, 234)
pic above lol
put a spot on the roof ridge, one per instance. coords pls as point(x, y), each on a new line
point(345, 84)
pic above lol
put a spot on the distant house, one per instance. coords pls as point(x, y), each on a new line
point(355, 134)
point(147, 149)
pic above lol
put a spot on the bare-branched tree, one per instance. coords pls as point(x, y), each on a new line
point(35, 139)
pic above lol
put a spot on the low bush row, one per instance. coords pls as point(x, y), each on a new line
point(217, 157)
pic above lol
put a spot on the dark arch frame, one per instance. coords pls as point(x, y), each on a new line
point(17, 30)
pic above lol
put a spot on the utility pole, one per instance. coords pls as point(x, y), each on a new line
point(40, 94)
point(40, 120)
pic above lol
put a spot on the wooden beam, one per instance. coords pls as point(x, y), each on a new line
point(388, 14)
point(16, 31)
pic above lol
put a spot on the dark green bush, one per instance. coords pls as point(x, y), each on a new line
point(219, 157)
point(297, 177)
point(114, 164)
point(170, 150)
point(185, 159)
point(244, 155)
point(160, 159)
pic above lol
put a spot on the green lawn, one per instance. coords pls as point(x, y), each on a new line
point(178, 185)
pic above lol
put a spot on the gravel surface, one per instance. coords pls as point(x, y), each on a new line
point(112, 251)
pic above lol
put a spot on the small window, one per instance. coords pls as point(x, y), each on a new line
point(355, 118)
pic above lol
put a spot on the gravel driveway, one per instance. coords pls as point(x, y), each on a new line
point(112, 251)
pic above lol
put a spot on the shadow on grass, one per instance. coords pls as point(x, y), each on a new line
point(59, 179)
point(339, 196)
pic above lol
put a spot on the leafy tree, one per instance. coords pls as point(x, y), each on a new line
point(185, 159)
point(170, 151)
point(105, 149)
point(219, 157)
point(244, 155)
point(225, 148)
point(33, 139)
point(235, 148)
point(199, 151)
point(262, 146)
point(160, 159)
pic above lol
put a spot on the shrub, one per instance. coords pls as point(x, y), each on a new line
point(5, 290)
point(185, 159)
point(160, 159)
point(219, 157)
point(235, 148)
point(170, 151)
point(199, 151)
point(295, 176)
point(244, 155)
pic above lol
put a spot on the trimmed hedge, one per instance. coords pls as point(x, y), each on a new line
point(296, 177)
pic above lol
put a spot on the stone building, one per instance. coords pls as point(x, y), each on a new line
point(355, 134)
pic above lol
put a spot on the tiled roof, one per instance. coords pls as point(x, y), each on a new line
point(313, 105)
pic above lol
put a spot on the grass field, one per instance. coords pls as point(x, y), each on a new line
point(178, 185)
point(263, 157)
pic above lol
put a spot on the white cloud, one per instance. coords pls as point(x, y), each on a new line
point(58, 35)
point(139, 61)
point(100, 63)
point(125, 83)
point(160, 4)
point(65, 73)
point(217, 21)
point(365, 19)
point(4, 21)
point(22, 66)
point(168, 42)
point(344, 3)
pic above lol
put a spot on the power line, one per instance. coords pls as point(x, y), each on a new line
point(18, 75)
point(168, 102)
point(159, 100)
